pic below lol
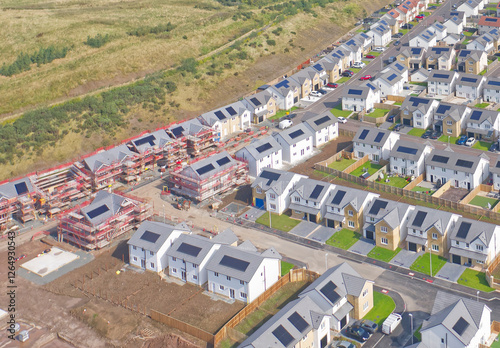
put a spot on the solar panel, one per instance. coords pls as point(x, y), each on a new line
point(223, 160)
point(339, 196)
point(205, 169)
point(460, 326)
point(270, 176)
point(283, 83)
point(441, 76)
point(379, 137)
point(149, 139)
point(322, 120)
point(371, 86)
point(487, 39)
point(408, 150)
point(498, 164)
point(464, 53)
point(399, 66)
point(317, 190)
point(416, 50)
point(296, 134)
point(419, 218)
point(283, 336)
point(476, 115)
point(189, 249)
point(442, 109)
point(149, 236)
point(98, 211)
point(299, 322)
point(355, 91)
point(329, 291)
point(416, 101)
point(318, 67)
point(392, 77)
point(377, 206)
point(234, 263)
point(489, 19)
point(464, 163)
point(231, 111)
point(177, 131)
point(494, 83)
point(21, 188)
point(363, 134)
point(255, 101)
point(469, 79)
point(440, 159)
point(220, 115)
point(264, 147)
point(439, 50)
point(463, 230)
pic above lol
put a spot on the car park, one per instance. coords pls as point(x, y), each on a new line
point(471, 141)
point(370, 56)
point(348, 73)
point(427, 134)
point(436, 134)
point(462, 140)
point(494, 147)
point(366, 77)
point(341, 119)
point(357, 333)
point(368, 325)
point(332, 85)
point(315, 94)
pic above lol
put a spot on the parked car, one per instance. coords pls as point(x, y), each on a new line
point(332, 85)
point(398, 127)
point(322, 91)
point(285, 124)
point(366, 77)
point(471, 141)
point(345, 344)
point(370, 56)
point(348, 73)
point(420, 16)
point(427, 134)
point(390, 118)
point(391, 323)
point(436, 134)
point(494, 147)
point(341, 119)
point(432, 8)
point(379, 49)
point(357, 333)
point(289, 116)
point(359, 65)
point(368, 325)
point(407, 26)
point(397, 35)
point(397, 43)
point(315, 94)
point(392, 59)
point(462, 140)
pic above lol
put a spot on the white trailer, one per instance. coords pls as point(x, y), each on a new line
point(391, 323)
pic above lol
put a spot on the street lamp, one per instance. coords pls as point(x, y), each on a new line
point(326, 262)
point(411, 326)
point(477, 296)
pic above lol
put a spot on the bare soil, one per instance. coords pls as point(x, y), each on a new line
point(455, 194)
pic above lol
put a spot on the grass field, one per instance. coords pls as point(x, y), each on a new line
point(444, 139)
point(344, 239)
point(375, 53)
point(482, 201)
point(343, 79)
point(377, 113)
point(482, 145)
point(395, 181)
point(282, 113)
point(481, 105)
point(383, 254)
point(383, 305)
point(474, 279)
point(422, 264)
point(423, 190)
point(337, 111)
point(286, 267)
point(342, 164)
point(281, 222)
point(417, 132)
point(370, 167)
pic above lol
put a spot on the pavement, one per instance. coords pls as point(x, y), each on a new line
point(405, 258)
point(362, 246)
point(304, 229)
point(451, 271)
point(253, 214)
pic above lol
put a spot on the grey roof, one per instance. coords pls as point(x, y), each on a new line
point(451, 163)
point(439, 52)
point(470, 80)
point(190, 127)
point(305, 187)
point(381, 30)
point(259, 99)
point(392, 214)
point(105, 158)
point(478, 230)
point(210, 118)
point(191, 240)
point(427, 35)
point(457, 15)
point(112, 202)
point(423, 72)
point(321, 121)
point(285, 86)
point(225, 237)
point(251, 259)
point(266, 146)
point(326, 63)
point(442, 76)
point(472, 54)
point(150, 141)
point(16, 188)
point(285, 135)
point(412, 104)
point(162, 230)
point(453, 38)
point(304, 75)
point(496, 168)
point(413, 52)
point(399, 150)
point(390, 77)
point(433, 218)
point(212, 164)
point(479, 115)
point(397, 67)
point(439, 27)
point(455, 111)
point(483, 40)
point(278, 182)
point(371, 136)
point(356, 92)
point(492, 83)
point(349, 196)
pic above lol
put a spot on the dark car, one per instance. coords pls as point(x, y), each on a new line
point(432, 8)
point(390, 118)
point(332, 85)
point(398, 127)
point(368, 325)
point(436, 134)
point(427, 134)
point(462, 140)
point(322, 91)
point(348, 73)
point(357, 333)
point(407, 26)
point(398, 35)
point(397, 42)
point(494, 147)
point(290, 116)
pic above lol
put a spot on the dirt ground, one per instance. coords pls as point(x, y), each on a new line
point(455, 194)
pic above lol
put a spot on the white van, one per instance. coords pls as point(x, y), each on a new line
point(391, 323)
point(285, 124)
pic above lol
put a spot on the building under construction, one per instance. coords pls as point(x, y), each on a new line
point(16, 200)
point(208, 177)
point(95, 224)
point(197, 137)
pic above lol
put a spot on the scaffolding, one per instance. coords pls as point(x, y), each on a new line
point(26, 209)
point(201, 142)
point(8, 206)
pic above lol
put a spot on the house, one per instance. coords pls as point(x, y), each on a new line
point(472, 61)
point(16, 199)
point(397, 15)
point(307, 200)
point(296, 142)
point(397, 68)
point(286, 93)
point(482, 124)
point(242, 272)
point(391, 23)
point(308, 80)
point(440, 58)
point(321, 69)
point(191, 138)
point(469, 7)
point(374, 142)
point(442, 82)
point(328, 68)
point(365, 40)
point(420, 75)
point(470, 86)
point(456, 23)
point(227, 120)
point(345, 208)
point(261, 153)
point(147, 248)
point(407, 158)
point(342, 293)
point(452, 39)
point(385, 222)
point(390, 83)
point(486, 23)
point(359, 98)
point(491, 91)
point(271, 189)
point(464, 171)
point(495, 35)
point(343, 55)
point(262, 105)
point(412, 57)
point(425, 39)
point(440, 30)
point(428, 230)
point(495, 175)
point(449, 118)
point(474, 243)
point(418, 112)
point(381, 35)
point(324, 127)
point(456, 322)
point(484, 43)
point(355, 47)
point(189, 255)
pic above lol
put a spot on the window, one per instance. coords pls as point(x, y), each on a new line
point(296, 199)
point(395, 168)
point(435, 247)
point(174, 270)
point(442, 340)
point(449, 123)
point(243, 295)
point(350, 212)
point(351, 224)
point(365, 306)
point(384, 241)
point(457, 242)
point(272, 196)
point(228, 277)
point(195, 277)
point(365, 292)
point(174, 258)
point(479, 261)
point(221, 287)
point(195, 266)
point(479, 247)
point(304, 338)
point(258, 190)
point(134, 247)
point(242, 282)
point(152, 265)
point(135, 258)
point(466, 245)
point(383, 229)
point(272, 206)
point(151, 253)
point(432, 167)
point(443, 169)
point(216, 274)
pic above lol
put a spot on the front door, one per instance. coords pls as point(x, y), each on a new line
point(468, 186)
point(432, 178)
point(412, 246)
point(456, 259)
point(143, 263)
point(343, 322)
point(312, 217)
point(330, 223)
point(231, 293)
point(369, 235)
point(183, 275)
point(403, 171)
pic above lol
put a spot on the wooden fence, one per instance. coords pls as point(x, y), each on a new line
point(475, 191)
point(492, 281)
point(415, 182)
point(442, 189)
point(345, 153)
point(396, 98)
point(357, 164)
point(347, 133)
point(495, 330)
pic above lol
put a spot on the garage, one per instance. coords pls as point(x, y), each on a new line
point(412, 247)
point(406, 121)
point(312, 217)
point(260, 204)
point(456, 259)
point(369, 235)
point(330, 223)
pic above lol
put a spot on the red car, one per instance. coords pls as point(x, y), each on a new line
point(370, 56)
point(366, 77)
point(332, 85)
point(420, 16)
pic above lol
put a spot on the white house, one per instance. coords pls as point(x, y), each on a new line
point(482, 123)
point(324, 127)
point(359, 98)
point(397, 68)
point(420, 75)
point(381, 35)
point(261, 153)
point(307, 200)
point(148, 245)
point(408, 158)
point(286, 93)
point(452, 39)
point(261, 105)
point(495, 175)
point(425, 39)
point(464, 171)
point(374, 142)
point(456, 22)
point(470, 86)
point(296, 142)
point(189, 255)
point(390, 83)
point(229, 119)
point(418, 112)
point(491, 91)
point(441, 82)
point(469, 7)
point(484, 43)
point(365, 40)
point(439, 29)
point(355, 47)
point(241, 272)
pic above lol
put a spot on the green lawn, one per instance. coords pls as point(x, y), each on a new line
point(481, 105)
point(482, 201)
point(417, 334)
point(397, 103)
point(414, 95)
point(490, 8)
point(444, 139)
point(496, 344)
point(468, 33)
point(337, 111)
point(422, 264)
point(483, 72)
point(376, 54)
point(343, 79)
point(383, 305)
point(417, 132)
point(395, 181)
point(342, 164)
point(466, 41)
point(474, 279)
point(426, 14)
point(282, 113)
point(355, 70)
point(423, 190)
point(419, 83)
point(344, 239)
point(482, 145)
point(377, 113)
point(281, 222)
point(286, 267)
point(404, 31)
point(370, 168)
point(383, 254)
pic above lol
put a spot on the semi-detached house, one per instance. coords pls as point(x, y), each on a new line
point(408, 158)
point(262, 105)
point(418, 112)
point(307, 200)
point(470, 86)
point(261, 153)
point(362, 98)
point(449, 118)
point(482, 124)
point(441, 82)
point(472, 61)
point(324, 127)
point(374, 142)
point(227, 120)
point(440, 58)
point(296, 142)
point(491, 91)
point(286, 93)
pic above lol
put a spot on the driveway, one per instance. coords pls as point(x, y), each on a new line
point(451, 271)
point(252, 214)
point(304, 229)
point(322, 234)
point(405, 258)
point(362, 246)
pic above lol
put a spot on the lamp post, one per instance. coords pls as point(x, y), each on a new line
point(477, 296)
point(411, 326)
point(326, 263)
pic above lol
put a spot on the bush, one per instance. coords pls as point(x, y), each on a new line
point(271, 42)
point(161, 28)
point(97, 41)
point(24, 61)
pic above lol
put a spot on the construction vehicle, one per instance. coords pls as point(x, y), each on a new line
point(165, 190)
point(183, 204)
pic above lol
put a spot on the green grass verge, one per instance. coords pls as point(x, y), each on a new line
point(416, 132)
point(344, 239)
point(395, 181)
point(444, 139)
point(377, 113)
point(281, 222)
point(343, 79)
point(468, 33)
point(376, 54)
point(482, 201)
point(282, 113)
point(337, 111)
point(466, 41)
point(382, 254)
point(417, 334)
point(481, 105)
point(370, 167)
point(482, 145)
point(496, 344)
point(474, 279)
point(404, 31)
point(355, 70)
point(342, 164)
point(423, 190)
point(398, 103)
point(424, 84)
point(422, 264)
point(286, 267)
point(383, 305)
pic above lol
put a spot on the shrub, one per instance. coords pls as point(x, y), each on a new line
point(97, 41)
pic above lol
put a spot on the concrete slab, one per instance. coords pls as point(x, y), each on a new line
point(252, 214)
point(50, 262)
point(405, 258)
point(304, 229)
point(322, 234)
point(363, 246)
point(451, 271)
